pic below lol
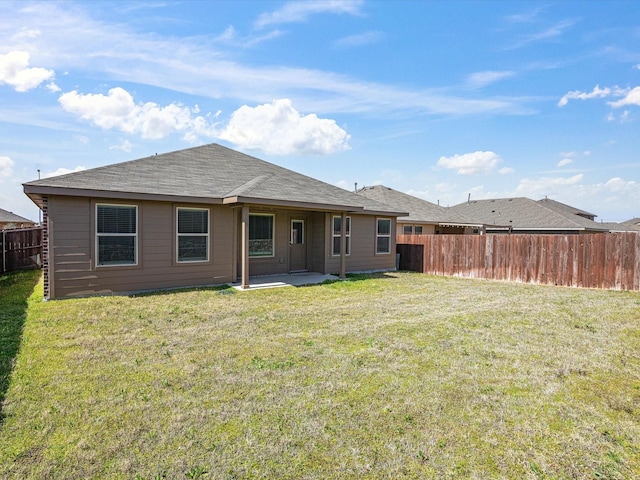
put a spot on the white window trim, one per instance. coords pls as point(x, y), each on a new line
point(178, 234)
point(273, 235)
point(134, 235)
point(347, 235)
point(378, 235)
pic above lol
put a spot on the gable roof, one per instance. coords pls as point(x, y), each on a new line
point(420, 211)
point(565, 209)
point(522, 213)
point(10, 217)
point(207, 174)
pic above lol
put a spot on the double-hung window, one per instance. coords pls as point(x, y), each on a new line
point(336, 235)
point(383, 235)
point(193, 235)
point(116, 234)
point(261, 235)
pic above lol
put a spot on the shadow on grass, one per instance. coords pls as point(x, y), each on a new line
point(219, 289)
point(15, 290)
point(355, 277)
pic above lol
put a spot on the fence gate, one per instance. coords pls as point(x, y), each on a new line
point(21, 249)
point(410, 257)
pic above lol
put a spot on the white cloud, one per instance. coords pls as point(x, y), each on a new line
point(359, 40)
point(117, 110)
point(506, 170)
point(63, 171)
point(294, 12)
point(481, 79)
point(6, 166)
point(539, 187)
point(564, 161)
point(125, 146)
point(471, 163)
point(278, 128)
point(15, 71)
point(597, 92)
point(632, 97)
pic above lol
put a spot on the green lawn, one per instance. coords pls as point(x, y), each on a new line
point(385, 376)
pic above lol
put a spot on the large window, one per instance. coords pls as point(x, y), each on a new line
point(383, 236)
point(116, 234)
point(193, 235)
point(337, 228)
point(261, 235)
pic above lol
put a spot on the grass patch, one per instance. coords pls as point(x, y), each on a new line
point(15, 289)
point(395, 376)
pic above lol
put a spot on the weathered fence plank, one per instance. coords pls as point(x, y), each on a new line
point(610, 261)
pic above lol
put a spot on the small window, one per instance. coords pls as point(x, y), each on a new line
point(193, 235)
point(407, 229)
point(297, 232)
point(383, 236)
point(337, 230)
point(417, 229)
point(116, 235)
point(261, 235)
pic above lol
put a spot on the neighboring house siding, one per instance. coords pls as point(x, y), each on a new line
point(73, 257)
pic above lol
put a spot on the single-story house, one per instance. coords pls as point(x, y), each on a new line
point(523, 215)
point(202, 216)
point(425, 218)
point(9, 220)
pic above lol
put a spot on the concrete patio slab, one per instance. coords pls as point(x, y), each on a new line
point(285, 280)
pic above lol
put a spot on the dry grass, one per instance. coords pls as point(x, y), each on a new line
point(389, 376)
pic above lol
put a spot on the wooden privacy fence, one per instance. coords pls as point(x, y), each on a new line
point(604, 260)
point(21, 249)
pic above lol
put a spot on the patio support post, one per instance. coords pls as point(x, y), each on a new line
point(245, 247)
point(343, 246)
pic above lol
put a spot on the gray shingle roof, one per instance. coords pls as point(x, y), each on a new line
point(564, 209)
point(420, 211)
point(524, 214)
point(10, 217)
point(208, 172)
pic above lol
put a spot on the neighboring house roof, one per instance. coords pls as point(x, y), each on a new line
point(564, 209)
point(524, 214)
point(634, 222)
point(620, 227)
point(420, 211)
point(207, 174)
point(10, 217)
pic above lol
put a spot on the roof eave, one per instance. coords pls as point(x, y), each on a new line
point(36, 192)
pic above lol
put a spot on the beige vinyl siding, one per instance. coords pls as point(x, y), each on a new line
point(69, 257)
point(75, 273)
point(363, 247)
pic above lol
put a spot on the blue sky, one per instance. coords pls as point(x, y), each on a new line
point(437, 99)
